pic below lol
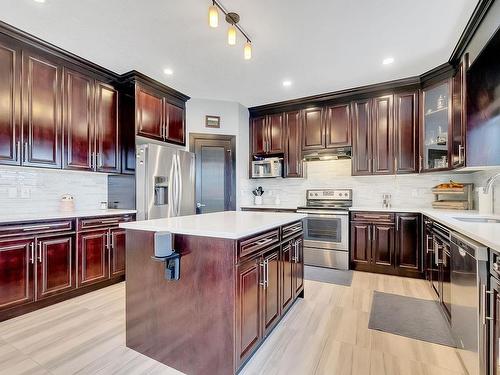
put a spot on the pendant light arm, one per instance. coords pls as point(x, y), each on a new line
point(223, 10)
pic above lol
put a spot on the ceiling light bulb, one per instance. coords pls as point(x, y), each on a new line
point(168, 71)
point(213, 16)
point(247, 51)
point(39, 1)
point(287, 83)
point(388, 60)
point(231, 35)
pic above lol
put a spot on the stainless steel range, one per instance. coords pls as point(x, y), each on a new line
point(326, 228)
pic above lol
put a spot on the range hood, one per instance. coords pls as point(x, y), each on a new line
point(330, 154)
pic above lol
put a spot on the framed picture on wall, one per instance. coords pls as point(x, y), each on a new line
point(212, 121)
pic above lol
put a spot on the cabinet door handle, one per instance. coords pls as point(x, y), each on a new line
point(18, 150)
point(395, 165)
point(263, 277)
point(369, 233)
point(461, 157)
point(267, 273)
point(112, 241)
point(25, 150)
point(397, 224)
point(99, 159)
point(427, 247)
point(40, 252)
point(420, 162)
point(32, 247)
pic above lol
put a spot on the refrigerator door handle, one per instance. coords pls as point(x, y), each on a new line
point(171, 190)
point(176, 188)
point(179, 176)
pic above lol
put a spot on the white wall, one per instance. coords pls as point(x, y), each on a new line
point(234, 121)
point(28, 190)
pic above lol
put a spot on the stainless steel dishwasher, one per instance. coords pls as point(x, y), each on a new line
point(469, 278)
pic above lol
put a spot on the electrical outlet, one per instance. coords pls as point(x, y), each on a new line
point(12, 192)
point(25, 192)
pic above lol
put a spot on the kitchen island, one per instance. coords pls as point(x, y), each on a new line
point(240, 272)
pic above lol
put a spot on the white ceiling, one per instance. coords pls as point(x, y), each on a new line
point(320, 45)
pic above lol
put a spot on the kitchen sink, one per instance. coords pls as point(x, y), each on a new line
point(478, 219)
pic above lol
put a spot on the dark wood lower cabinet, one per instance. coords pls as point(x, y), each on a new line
point(16, 272)
point(55, 265)
point(248, 317)
point(287, 285)
point(271, 293)
point(386, 243)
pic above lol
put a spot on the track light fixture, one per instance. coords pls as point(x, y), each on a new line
point(232, 19)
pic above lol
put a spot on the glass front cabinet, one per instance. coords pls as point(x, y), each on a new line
point(436, 113)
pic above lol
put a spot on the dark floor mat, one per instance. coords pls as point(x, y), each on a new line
point(410, 317)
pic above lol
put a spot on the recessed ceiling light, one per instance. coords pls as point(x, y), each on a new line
point(39, 1)
point(287, 83)
point(388, 60)
point(168, 71)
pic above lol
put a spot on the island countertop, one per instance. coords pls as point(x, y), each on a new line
point(229, 224)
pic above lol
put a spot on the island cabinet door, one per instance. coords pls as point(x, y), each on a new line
point(271, 290)
point(287, 287)
point(298, 266)
point(93, 265)
point(248, 332)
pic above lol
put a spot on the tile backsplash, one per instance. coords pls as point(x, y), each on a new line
point(407, 191)
point(27, 190)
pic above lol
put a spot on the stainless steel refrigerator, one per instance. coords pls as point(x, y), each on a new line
point(165, 182)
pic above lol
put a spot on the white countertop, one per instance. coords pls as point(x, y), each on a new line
point(14, 217)
point(269, 207)
point(487, 234)
point(228, 224)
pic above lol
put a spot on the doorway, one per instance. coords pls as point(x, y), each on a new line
point(215, 172)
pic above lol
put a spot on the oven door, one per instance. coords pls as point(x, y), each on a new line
point(326, 231)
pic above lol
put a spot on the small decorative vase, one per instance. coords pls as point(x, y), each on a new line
point(258, 200)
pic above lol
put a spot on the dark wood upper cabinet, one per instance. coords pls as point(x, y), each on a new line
point(42, 104)
point(275, 133)
point(408, 242)
point(313, 136)
point(55, 266)
point(78, 121)
point(175, 123)
point(458, 122)
point(16, 277)
point(406, 132)
point(382, 135)
point(258, 135)
point(107, 129)
point(361, 138)
point(293, 144)
point(338, 126)
point(150, 112)
point(10, 113)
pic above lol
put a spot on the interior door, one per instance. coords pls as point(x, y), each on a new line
point(42, 88)
point(215, 175)
point(10, 114)
point(16, 276)
point(55, 266)
point(78, 124)
point(271, 292)
point(108, 137)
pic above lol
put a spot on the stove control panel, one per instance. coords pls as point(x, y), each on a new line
point(329, 194)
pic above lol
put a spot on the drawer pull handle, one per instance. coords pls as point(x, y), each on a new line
point(263, 242)
point(37, 228)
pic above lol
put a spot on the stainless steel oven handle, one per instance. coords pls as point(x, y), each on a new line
point(326, 215)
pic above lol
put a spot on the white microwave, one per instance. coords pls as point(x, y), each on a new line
point(268, 167)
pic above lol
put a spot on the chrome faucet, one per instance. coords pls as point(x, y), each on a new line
point(490, 182)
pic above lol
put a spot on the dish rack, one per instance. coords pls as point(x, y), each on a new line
point(456, 198)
